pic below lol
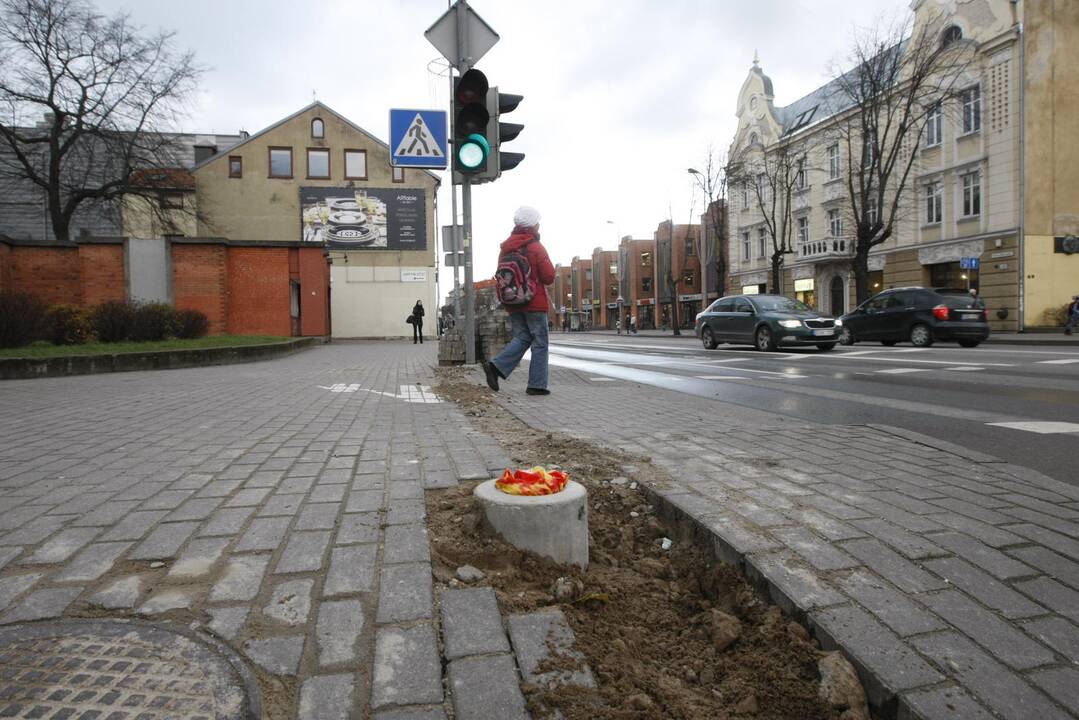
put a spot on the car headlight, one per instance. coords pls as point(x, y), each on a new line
point(790, 323)
point(838, 322)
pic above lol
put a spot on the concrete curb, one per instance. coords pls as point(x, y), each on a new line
point(27, 368)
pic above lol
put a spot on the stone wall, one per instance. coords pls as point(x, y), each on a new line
point(492, 331)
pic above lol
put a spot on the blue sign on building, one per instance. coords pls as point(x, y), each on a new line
point(969, 263)
point(418, 138)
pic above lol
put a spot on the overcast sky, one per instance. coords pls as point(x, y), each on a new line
point(621, 96)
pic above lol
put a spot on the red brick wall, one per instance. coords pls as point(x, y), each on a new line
point(200, 282)
point(314, 277)
point(101, 273)
point(258, 287)
point(50, 273)
point(5, 268)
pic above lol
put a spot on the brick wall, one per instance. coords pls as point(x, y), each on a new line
point(258, 291)
point(200, 282)
point(50, 273)
point(5, 268)
point(101, 273)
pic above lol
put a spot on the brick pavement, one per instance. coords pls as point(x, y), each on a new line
point(278, 505)
point(949, 578)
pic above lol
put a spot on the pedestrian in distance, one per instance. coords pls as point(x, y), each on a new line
point(524, 271)
point(417, 322)
point(1073, 315)
point(633, 324)
point(618, 326)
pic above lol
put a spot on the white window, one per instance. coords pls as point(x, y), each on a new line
point(932, 202)
point(833, 161)
point(972, 194)
point(745, 246)
point(868, 152)
point(398, 174)
point(972, 109)
point(745, 196)
point(933, 125)
point(801, 178)
point(318, 163)
point(803, 229)
point(762, 187)
point(871, 210)
point(835, 222)
point(355, 164)
point(318, 128)
point(762, 242)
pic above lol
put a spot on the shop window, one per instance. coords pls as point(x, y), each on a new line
point(281, 162)
point(804, 291)
point(236, 166)
point(318, 163)
point(951, 275)
point(876, 281)
point(355, 164)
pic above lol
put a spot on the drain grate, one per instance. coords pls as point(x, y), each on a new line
point(119, 670)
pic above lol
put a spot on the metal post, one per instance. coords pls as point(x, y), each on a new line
point(453, 221)
point(470, 293)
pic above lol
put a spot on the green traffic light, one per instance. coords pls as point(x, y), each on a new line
point(473, 151)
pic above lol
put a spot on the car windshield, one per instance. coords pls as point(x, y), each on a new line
point(781, 304)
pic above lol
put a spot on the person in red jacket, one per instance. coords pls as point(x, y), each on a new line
point(529, 323)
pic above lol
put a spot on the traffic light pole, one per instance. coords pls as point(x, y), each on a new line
point(470, 293)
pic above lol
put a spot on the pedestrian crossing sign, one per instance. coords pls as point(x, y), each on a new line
point(418, 138)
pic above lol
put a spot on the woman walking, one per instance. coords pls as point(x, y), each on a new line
point(417, 322)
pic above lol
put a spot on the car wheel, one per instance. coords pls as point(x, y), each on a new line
point(887, 343)
point(824, 347)
point(970, 343)
point(708, 339)
point(765, 341)
point(846, 337)
point(921, 335)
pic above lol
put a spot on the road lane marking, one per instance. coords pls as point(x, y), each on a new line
point(1041, 427)
point(966, 368)
point(901, 371)
point(1058, 362)
point(723, 377)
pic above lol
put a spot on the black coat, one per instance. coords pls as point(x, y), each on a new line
point(417, 314)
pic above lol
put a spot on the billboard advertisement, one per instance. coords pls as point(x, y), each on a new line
point(364, 218)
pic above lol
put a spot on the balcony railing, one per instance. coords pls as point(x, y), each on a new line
point(832, 247)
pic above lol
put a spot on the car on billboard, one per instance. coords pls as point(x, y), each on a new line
point(919, 315)
point(767, 322)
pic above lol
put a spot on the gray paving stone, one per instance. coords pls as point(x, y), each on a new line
point(251, 496)
point(290, 602)
point(340, 623)
point(241, 579)
point(62, 546)
point(539, 635)
point(219, 488)
point(1062, 684)
point(430, 713)
point(1058, 634)
point(892, 566)
point(1052, 540)
point(364, 501)
point(817, 552)
point(992, 561)
point(734, 538)
point(264, 534)
point(792, 584)
point(989, 534)
point(165, 600)
point(944, 703)
point(1002, 639)
point(41, 604)
point(227, 622)
point(166, 500)
point(196, 509)
point(406, 543)
point(1053, 595)
point(486, 687)
point(304, 552)
point(887, 662)
point(1049, 562)
point(472, 623)
point(358, 528)
point(912, 545)
point(13, 586)
point(327, 493)
point(319, 516)
point(1003, 691)
point(264, 479)
point(404, 592)
point(226, 521)
point(163, 541)
point(825, 525)
point(326, 697)
point(282, 505)
point(93, 562)
point(294, 485)
point(199, 557)
point(278, 655)
point(352, 570)
point(8, 554)
point(891, 607)
point(107, 514)
point(120, 594)
point(407, 667)
point(984, 588)
point(404, 512)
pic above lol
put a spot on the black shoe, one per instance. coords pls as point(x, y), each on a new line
point(537, 391)
point(492, 375)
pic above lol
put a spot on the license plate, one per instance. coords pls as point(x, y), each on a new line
point(970, 316)
point(825, 331)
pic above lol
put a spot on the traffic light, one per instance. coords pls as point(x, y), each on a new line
point(472, 141)
point(499, 104)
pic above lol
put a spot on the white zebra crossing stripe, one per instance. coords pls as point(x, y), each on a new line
point(1041, 427)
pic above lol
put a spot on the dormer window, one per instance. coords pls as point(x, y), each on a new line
point(318, 128)
point(950, 35)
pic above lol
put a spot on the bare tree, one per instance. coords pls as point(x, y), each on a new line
point(713, 185)
point(770, 178)
point(106, 93)
point(902, 76)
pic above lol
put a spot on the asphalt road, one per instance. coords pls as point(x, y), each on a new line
point(1020, 404)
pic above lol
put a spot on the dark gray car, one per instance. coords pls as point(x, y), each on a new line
point(766, 322)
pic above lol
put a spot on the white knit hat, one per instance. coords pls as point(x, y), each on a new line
point(526, 217)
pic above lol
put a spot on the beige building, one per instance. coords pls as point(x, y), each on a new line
point(318, 179)
point(964, 196)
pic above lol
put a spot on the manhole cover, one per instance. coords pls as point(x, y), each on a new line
point(118, 670)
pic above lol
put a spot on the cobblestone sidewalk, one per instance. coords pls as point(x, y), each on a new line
point(279, 504)
point(949, 578)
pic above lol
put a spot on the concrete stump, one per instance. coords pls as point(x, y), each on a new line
point(555, 526)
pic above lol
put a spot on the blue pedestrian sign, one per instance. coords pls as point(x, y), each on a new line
point(969, 263)
point(418, 138)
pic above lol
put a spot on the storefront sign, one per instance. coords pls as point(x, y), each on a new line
point(803, 285)
point(413, 276)
point(367, 219)
point(689, 298)
point(612, 306)
point(646, 301)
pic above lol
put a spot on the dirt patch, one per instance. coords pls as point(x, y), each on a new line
point(668, 633)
